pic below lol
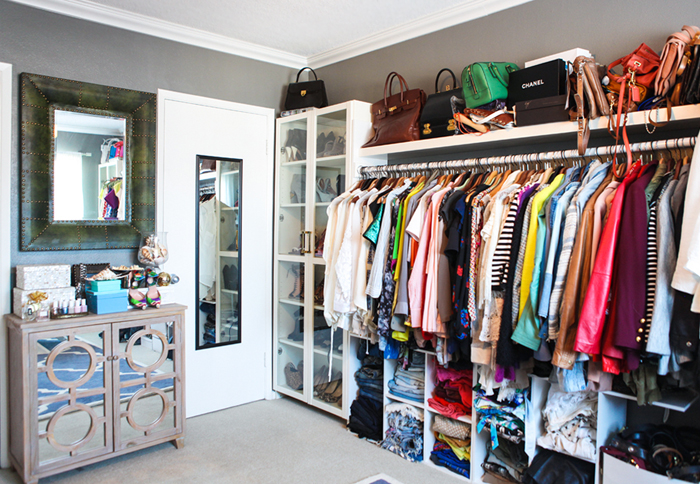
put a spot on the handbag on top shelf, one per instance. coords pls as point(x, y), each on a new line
point(306, 94)
point(437, 120)
point(483, 82)
point(395, 117)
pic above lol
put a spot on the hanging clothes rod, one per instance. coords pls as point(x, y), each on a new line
point(564, 155)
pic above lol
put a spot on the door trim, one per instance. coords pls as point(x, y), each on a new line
point(5, 242)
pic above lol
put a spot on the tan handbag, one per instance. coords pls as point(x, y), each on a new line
point(395, 118)
point(590, 98)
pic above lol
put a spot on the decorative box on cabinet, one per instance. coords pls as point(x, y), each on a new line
point(90, 388)
point(310, 172)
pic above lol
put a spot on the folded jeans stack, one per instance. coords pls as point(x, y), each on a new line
point(452, 395)
point(570, 422)
point(366, 410)
point(405, 433)
point(453, 445)
point(409, 382)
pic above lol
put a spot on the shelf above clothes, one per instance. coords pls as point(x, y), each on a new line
point(681, 117)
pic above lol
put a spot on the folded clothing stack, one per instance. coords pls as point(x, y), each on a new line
point(453, 445)
point(405, 433)
point(409, 378)
point(507, 460)
point(506, 416)
point(570, 422)
point(366, 410)
point(452, 395)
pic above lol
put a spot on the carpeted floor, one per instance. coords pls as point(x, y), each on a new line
point(279, 441)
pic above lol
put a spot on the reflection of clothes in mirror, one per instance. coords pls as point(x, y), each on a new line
point(110, 194)
point(207, 246)
point(112, 148)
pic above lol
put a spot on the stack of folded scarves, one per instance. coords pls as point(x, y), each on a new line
point(452, 446)
point(507, 416)
point(405, 433)
point(570, 422)
point(452, 395)
point(366, 410)
point(409, 382)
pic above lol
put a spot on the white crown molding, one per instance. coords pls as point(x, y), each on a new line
point(114, 17)
point(425, 25)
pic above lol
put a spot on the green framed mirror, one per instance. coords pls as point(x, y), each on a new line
point(88, 165)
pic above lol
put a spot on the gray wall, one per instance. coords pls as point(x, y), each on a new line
point(608, 29)
point(44, 43)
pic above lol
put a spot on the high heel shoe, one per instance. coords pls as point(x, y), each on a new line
point(298, 290)
point(153, 296)
point(329, 190)
point(136, 297)
point(322, 190)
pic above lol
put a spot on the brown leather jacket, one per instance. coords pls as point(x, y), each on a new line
point(577, 279)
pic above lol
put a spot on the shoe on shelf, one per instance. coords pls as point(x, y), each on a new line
point(336, 148)
point(321, 190)
point(329, 189)
point(298, 289)
point(294, 376)
point(321, 143)
point(328, 141)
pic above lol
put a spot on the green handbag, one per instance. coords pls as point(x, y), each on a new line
point(483, 82)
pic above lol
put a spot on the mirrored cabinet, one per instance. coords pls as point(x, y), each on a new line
point(87, 389)
point(316, 156)
point(218, 252)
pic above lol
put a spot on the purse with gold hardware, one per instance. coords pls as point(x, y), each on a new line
point(436, 119)
point(306, 94)
point(395, 118)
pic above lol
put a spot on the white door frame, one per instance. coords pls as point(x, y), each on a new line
point(261, 261)
point(5, 241)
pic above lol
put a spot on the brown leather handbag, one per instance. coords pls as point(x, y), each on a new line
point(395, 118)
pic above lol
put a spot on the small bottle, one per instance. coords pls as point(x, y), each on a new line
point(44, 312)
point(54, 309)
point(83, 306)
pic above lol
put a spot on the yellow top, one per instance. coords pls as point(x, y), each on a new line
point(529, 260)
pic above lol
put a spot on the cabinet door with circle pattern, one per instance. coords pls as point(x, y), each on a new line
point(148, 391)
point(71, 392)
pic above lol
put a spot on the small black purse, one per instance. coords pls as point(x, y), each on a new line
point(306, 94)
point(436, 119)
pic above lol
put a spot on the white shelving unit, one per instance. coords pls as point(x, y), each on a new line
point(612, 406)
point(302, 198)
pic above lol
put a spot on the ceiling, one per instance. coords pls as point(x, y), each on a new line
point(291, 33)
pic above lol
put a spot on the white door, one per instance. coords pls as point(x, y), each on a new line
point(225, 376)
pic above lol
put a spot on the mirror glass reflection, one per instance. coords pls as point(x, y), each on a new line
point(218, 255)
point(89, 166)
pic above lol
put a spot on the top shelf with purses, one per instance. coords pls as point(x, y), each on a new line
point(682, 117)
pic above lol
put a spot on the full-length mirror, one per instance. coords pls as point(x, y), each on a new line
point(218, 251)
point(89, 166)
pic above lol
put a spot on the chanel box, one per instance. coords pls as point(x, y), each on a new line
point(540, 111)
point(536, 82)
point(21, 296)
point(43, 276)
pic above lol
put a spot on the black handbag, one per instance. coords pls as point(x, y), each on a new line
point(306, 94)
point(436, 119)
